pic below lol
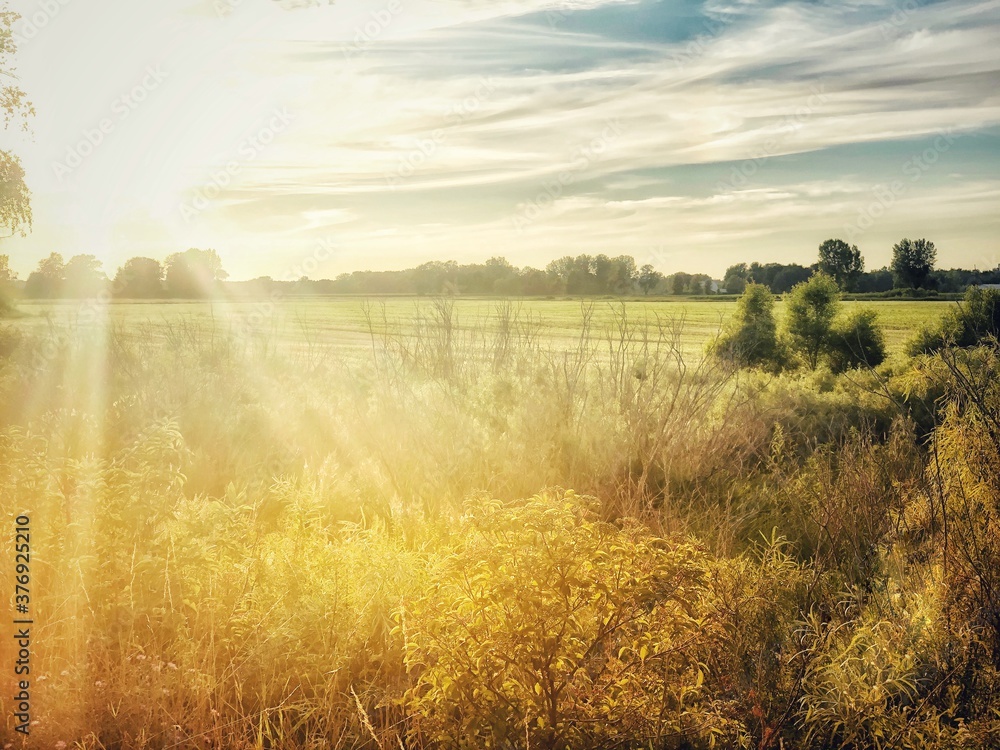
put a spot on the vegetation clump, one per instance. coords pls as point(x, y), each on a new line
point(552, 628)
point(855, 342)
point(975, 320)
point(750, 338)
point(812, 307)
point(814, 331)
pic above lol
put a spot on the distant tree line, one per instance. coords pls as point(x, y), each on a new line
point(912, 268)
point(192, 274)
point(573, 275)
point(199, 274)
point(196, 273)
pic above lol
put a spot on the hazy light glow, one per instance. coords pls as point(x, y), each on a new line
point(689, 134)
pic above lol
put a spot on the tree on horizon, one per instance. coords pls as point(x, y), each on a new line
point(841, 261)
point(913, 263)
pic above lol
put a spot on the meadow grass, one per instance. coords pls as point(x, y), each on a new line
point(479, 523)
point(342, 321)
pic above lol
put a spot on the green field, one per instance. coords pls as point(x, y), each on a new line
point(342, 322)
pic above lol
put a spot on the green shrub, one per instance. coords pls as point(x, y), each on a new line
point(861, 686)
point(7, 307)
point(811, 309)
point(966, 478)
point(974, 320)
point(750, 339)
point(856, 341)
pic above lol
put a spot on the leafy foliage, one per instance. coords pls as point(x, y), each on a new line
point(856, 341)
point(812, 307)
point(972, 322)
point(912, 262)
point(15, 197)
point(841, 261)
point(750, 338)
point(551, 626)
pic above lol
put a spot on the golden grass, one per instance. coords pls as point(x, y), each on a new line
point(254, 537)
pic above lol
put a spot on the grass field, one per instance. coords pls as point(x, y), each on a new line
point(342, 322)
point(452, 525)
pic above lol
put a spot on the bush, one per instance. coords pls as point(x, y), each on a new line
point(550, 628)
point(856, 341)
point(756, 601)
point(812, 307)
point(862, 686)
point(7, 307)
point(974, 320)
point(841, 507)
point(966, 478)
point(750, 339)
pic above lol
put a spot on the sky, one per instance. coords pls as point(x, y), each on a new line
point(316, 138)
